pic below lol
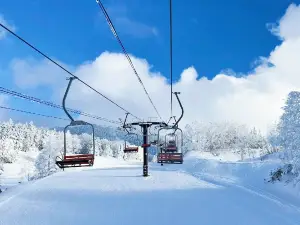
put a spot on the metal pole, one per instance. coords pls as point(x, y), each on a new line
point(145, 142)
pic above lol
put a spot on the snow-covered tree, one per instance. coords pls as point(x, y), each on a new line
point(289, 130)
point(45, 162)
point(7, 154)
point(26, 137)
point(105, 148)
point(219, 137)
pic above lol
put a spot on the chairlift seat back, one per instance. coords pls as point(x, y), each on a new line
point(131, 149)
point(81, 160)
point(170, 148)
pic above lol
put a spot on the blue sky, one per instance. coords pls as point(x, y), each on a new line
point(209, 35)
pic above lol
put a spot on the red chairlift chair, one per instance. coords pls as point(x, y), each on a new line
point(78, 160)
point(169, 152)
point(131, 149)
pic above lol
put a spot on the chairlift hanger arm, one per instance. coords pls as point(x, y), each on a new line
point(182, 110)
point(125, 126)
point(174, 117)
point(65, 97)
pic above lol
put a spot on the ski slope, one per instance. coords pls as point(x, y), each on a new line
point(201, 191)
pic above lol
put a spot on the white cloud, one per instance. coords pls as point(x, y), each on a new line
point(5, 23)
point(31, 73)
point(254, 99)
point(288, 26)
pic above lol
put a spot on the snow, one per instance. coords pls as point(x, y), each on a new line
point(226, 156)
point(18, 171)
point(201, 191)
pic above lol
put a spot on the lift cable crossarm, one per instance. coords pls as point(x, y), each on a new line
point(125, 53)
point(175, 157)
point(145, 145)
point(79, 160)
point(64, 69)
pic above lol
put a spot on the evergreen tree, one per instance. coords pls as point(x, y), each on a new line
point(289, 130)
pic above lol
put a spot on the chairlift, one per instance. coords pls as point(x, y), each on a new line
point(78, 160)
point(169, 152)
point(171, 149)
point(131, 149)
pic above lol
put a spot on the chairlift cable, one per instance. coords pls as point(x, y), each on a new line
point(51, 104)
point(125, 52)
point(28, 112)
point(63, 68)
point(171, 57)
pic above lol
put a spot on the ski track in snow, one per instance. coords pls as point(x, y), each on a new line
point(171, 195)
point(255, 191)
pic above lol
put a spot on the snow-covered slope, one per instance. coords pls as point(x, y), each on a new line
point(200, 191)
point(19, 171)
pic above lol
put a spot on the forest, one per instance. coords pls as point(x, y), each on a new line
point(214, 138)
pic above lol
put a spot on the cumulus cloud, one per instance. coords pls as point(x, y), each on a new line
point(31, 73)
point(5, 23)
point(288, 26)
point(254, 99)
